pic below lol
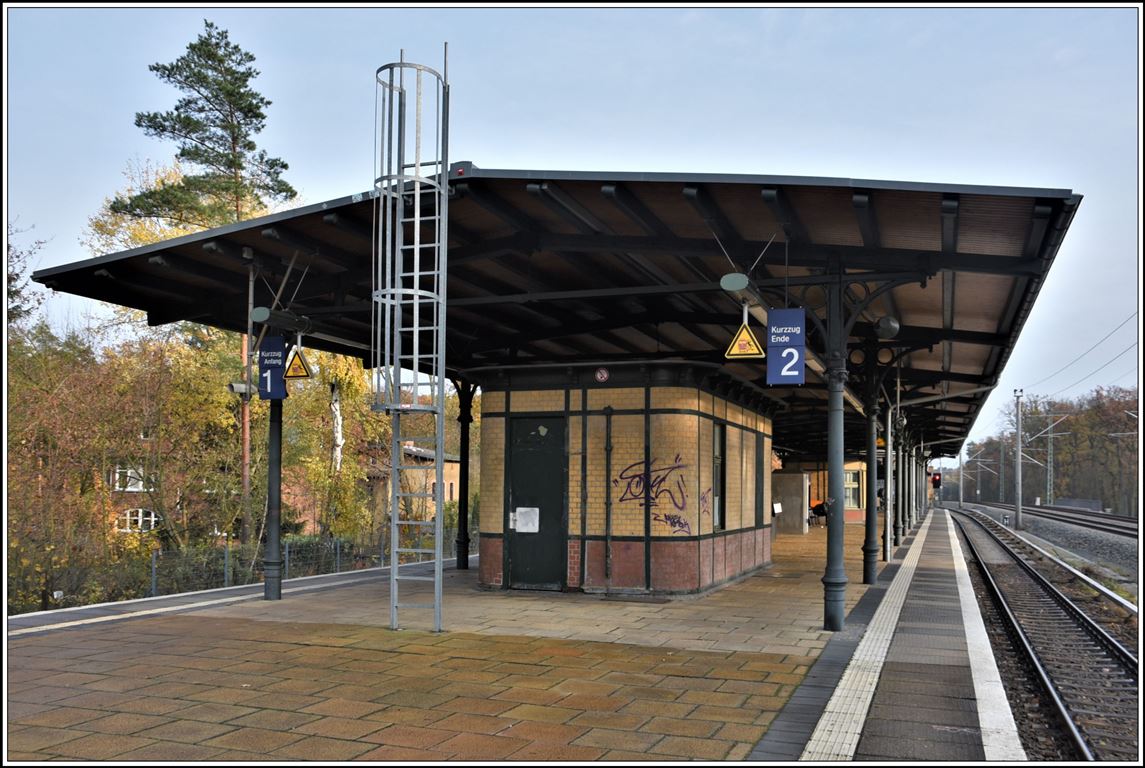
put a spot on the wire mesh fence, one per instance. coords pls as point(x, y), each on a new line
point(153, 573)
point(194, 569)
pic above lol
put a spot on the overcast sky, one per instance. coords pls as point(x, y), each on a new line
point(1025, 97)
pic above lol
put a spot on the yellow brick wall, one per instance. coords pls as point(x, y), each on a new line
point(627, 469)
point(492, 500)
point(767, 516)
point(575, 460)
point(492, 402)
point(733, 488)
point(687, 482)
point(542, 400)
point(630, 398)
point(748, 488)
point(675, 487)
point(704, 462)
point(596, 481)
point(680, 398)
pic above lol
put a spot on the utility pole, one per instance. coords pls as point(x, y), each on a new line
point(1001, 472)
point(1018, 461)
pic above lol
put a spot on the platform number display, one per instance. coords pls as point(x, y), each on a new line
point(786, 335)
point(271, 366)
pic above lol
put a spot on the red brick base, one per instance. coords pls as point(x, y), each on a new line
point(677, 566)
point(489, 571)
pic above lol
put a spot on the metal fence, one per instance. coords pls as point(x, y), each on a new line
point(199, 568)
point(126, 575)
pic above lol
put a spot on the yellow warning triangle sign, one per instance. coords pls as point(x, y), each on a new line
point(744, 345)
point(297, 368)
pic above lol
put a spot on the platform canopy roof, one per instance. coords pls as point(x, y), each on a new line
point(577, 269)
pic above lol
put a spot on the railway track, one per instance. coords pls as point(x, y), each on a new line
point(1088, 671)
point(1098, 521)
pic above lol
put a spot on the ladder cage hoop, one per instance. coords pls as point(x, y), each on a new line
point(409, 291)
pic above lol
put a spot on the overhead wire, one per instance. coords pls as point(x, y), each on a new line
point(1091, 373)
point(1083, 354)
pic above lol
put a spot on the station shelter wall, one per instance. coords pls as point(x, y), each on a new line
point(854, 485)
point(682, 533)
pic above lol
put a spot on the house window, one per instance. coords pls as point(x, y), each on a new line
point(851, 489)
point(451, 491)
point(719, 476)
point(136, 521)
point(131, 480)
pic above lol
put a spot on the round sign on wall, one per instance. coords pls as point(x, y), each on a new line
point(601, 375)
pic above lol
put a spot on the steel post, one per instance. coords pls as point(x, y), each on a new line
point(272, 556)
point(1018, 461)
point(871, 544)
point(464, 418)
point(900, 471)
point(835, 577)
point(888, 485)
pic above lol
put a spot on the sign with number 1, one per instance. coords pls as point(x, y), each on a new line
point(271, 365)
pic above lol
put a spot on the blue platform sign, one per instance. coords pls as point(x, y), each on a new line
point(786, 354)
point(271, 366)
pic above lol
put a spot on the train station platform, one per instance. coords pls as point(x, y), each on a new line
point(742, 673)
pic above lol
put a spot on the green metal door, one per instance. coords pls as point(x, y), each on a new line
point(536, 524)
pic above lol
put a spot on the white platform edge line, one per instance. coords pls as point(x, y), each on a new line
point(355, 579)
point(1000, 740)
point(837, 733)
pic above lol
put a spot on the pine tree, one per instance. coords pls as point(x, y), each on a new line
point(228, 177)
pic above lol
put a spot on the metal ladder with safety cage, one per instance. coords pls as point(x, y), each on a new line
point(408, 333)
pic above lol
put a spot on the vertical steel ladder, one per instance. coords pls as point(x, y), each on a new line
point(408, 335)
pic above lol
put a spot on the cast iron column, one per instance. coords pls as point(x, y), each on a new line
point(871, 545)
point(888, 492)
point(900, 488)
point(465, 418)
point(835, 577)
point(272, 555)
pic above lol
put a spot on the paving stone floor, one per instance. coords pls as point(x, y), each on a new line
point(515, 676)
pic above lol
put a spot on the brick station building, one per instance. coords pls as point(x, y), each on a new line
point(620, 450)
point(577, 451)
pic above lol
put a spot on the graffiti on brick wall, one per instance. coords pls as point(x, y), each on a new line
point(677, 523)
point(706, 504)
point(666, 485)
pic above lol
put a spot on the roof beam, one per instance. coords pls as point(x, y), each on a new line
point(630, 206)
point(496, 205)
point(351, 226)
point(523, 243)
point(780, 206)
point(948, 278)
point(186, 266)
point(311, 249)
point(1036, 234)
point(865, 213)
point(559, 202)
point(855, 257)
point(921, 336)
point(949, 223)
point(589, 293)
point(616, 321)
point(725, 232)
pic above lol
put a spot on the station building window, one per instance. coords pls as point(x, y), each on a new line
point(131, 480)
point(136, 521)
point(719, 476)
point(851, 490)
